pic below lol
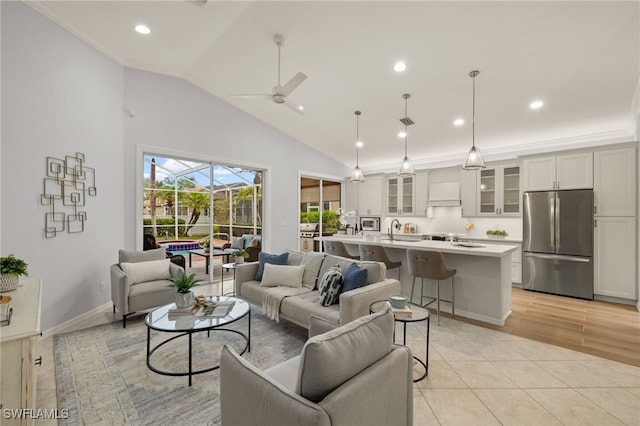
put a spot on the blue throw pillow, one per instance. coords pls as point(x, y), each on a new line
point(274, 259)
point(354, 277)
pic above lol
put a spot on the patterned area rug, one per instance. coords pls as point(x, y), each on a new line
point(103, 379)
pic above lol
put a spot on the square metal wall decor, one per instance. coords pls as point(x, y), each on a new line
point(66, 187)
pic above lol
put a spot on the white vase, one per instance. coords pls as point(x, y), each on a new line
point(239, 259)
point(184, 300)
point(8, 282)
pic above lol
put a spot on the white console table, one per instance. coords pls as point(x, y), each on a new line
point(18, 378)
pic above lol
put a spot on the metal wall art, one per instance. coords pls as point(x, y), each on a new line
point(67, 184)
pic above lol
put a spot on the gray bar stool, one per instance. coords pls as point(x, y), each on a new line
point(431, 265)
point(378, 254)
point(337, 248)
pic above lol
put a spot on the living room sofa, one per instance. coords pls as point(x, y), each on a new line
point(298, 308)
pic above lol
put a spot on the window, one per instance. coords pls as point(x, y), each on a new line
point(180, 194)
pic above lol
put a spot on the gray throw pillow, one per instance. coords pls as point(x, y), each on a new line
point(237, 243)
point(330, 286)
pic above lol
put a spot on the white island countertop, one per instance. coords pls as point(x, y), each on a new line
point(482, 280)
point(483, 248)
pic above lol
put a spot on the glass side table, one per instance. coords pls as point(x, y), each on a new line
point(227, 267)
point(418, 313)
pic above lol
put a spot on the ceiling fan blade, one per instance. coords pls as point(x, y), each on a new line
point(294, 106)
point(254, 96)
point(295, 81)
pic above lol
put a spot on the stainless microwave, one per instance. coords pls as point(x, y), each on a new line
point(370, 223)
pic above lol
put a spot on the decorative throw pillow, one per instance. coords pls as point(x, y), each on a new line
point(274, 259)
point(141, 272)
point(237, 243)
point(282, 275)
point(330, 285)
point(254, 243)
point(354, 277)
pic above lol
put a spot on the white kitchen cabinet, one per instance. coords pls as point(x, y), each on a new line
point(614, 182)
point(615, 257)
point(568, 171)
point(370, 196)
point(352, 196)
point(422, 193)
point(469, 192)
point(18, 377)
point(400, 194)
point(499, 191)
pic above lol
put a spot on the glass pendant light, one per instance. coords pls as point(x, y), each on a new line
point(406, 168)
point(474, 159)
point(356, 174)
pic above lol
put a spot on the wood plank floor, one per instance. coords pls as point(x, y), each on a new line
point(604, 329)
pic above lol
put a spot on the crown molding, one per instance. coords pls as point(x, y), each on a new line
point(51, 13)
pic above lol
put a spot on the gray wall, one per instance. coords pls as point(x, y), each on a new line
point(59, 97)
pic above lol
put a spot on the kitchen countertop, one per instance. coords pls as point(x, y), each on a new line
point(487, 249)
point(515, 240)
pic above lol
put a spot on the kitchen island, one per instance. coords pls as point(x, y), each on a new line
point(482, 282)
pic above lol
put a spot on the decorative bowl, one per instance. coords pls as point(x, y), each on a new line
point(398, 301)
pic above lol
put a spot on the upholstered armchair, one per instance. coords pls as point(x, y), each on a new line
point(149, 243)
point(350, 375)
point(141, 281)
point(252, 245)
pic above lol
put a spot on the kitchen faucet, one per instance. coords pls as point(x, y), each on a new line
point(393, 226)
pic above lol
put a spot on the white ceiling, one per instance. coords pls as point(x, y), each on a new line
point(580, 57)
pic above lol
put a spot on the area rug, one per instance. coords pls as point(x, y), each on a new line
point(102, 377)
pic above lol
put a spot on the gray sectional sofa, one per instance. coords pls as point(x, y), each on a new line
point(299, 307)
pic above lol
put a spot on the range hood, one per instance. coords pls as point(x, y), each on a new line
point(444, 194)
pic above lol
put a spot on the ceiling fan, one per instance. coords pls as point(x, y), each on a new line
point(280, 93)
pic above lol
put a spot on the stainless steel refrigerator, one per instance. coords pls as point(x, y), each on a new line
point(557, 243)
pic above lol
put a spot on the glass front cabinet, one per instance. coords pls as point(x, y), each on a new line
point(400, 195)
point(499, 191)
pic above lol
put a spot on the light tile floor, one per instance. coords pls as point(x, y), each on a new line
point(476, 377)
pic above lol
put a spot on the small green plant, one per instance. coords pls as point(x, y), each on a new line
point(241, 253)
point(185, 283)
point(13, 266)
point(498, 232)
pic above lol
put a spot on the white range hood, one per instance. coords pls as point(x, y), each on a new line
point(444, 194)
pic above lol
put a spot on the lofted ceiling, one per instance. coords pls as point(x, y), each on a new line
point(581, 58)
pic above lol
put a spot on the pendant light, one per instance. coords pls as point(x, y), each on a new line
point(356, 174)
point(406, 168)
point(474, 159)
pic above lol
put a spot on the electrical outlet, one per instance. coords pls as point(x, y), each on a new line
point(102, 287)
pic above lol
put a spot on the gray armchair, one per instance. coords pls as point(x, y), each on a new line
point(351, 375)
point(130, 294)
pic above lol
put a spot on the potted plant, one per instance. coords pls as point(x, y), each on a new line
point(183, 285)
point(11, 269)
point(240, 255)
point(207, 245)
point(497, 233)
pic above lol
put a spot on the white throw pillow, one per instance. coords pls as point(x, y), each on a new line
point(141, 272)
point(285, 275)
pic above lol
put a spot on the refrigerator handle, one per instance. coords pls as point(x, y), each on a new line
point(558, 257)
point(556, 224)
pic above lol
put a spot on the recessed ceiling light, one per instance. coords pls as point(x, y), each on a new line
point(359, 144)
point(400, 66)
point(458, 122)
point(142, 29)
point(300, 107)
point(402, 134)
point(536, 104)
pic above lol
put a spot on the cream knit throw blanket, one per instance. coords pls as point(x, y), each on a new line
point(274, 296)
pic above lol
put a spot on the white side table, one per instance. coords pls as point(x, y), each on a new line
point(226, 267)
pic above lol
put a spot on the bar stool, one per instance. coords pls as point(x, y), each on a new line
point(378, 254)
point(431, 265)
point(337, 248)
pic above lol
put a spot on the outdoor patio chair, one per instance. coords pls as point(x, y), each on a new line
point(149, 243)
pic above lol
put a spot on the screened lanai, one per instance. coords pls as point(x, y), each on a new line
point(191, 201)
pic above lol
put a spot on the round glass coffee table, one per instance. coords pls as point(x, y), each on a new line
point(178, 326)
point(418, 313)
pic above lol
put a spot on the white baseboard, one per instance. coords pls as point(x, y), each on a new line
point(61, 327)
